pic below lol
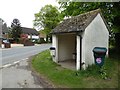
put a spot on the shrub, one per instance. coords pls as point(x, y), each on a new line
point(42, 40)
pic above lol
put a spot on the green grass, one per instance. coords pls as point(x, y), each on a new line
point(64, 78)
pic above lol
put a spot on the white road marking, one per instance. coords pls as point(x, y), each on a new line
point(7, 65)
point(16, 62)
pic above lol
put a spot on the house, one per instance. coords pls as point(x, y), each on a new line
point(30, 33)
point(75, 38)
point(3, 32)
point(0, 33)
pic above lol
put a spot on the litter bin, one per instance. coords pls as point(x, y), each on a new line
point(52, 50)
point(99, 55)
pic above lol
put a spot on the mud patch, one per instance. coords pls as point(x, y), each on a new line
point(23, 85)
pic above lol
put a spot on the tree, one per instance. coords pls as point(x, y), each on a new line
point(76, 8)
point(9, 32)
point(110, 10)
point(47, 18)
point(16, 29)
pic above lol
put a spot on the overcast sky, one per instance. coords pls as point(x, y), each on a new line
point(23, 10)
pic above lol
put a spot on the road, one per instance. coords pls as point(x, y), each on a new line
point(16, 72)
point(19, 53)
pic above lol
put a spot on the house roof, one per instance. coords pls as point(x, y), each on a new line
point(29, 31)
point(77, 23)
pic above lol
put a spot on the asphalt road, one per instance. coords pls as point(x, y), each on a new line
point(20, 53)
point(16, 72)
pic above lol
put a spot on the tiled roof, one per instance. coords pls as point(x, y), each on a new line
point(76, 23)
point(29, 31)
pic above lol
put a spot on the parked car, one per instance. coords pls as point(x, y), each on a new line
point(5, 41)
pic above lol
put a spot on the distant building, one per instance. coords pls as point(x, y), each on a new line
point(0, 33)
point(30, 33)
point(4, 31)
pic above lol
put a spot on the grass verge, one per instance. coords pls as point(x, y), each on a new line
point(65, 78)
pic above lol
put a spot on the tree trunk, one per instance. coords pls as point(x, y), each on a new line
point(47, 38)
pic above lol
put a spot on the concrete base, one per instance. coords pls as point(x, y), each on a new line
point(69, 64)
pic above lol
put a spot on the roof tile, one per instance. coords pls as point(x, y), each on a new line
point(76, 23)
point(29, 31)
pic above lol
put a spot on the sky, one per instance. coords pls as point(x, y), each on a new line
point(23, 10)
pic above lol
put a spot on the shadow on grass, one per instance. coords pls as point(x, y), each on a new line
point(114, 54)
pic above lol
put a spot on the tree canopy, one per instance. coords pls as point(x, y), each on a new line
point(16, 29)
point(47, 18)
